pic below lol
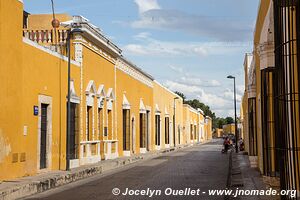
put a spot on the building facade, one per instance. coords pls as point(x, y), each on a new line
point(116, 109)
point(272, 90)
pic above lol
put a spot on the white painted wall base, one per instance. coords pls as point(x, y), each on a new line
point(253, 161)
point(90, 160)
point(126, 153)
point(111, 156)
point(157, 147)
point(74, 163)
point(143, 150)
point(167, 146)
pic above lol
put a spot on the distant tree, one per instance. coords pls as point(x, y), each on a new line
point(181, 95)
point(220, 122)
point(195, 103)
point(229, 120)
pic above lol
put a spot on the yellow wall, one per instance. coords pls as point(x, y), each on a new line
point(209, 128)
point(191, 117)
point(219, 132)
point(43, 21)
point(24, 80)
point(262, 12)
point(165, 102)
point(30, 71)
point(134, 91)
point(229, 129)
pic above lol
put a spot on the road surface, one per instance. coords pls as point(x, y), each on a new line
point(174, 175)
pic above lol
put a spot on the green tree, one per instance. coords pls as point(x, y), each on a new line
point(229, 120)
point(220, 122)
point(181, 95)
point(195, 103)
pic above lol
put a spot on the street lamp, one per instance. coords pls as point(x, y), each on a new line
point(174, 123)
point(70, 33)
point(235, 122)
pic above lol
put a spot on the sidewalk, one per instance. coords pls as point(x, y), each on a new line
point(27, 186)
point(243, 177)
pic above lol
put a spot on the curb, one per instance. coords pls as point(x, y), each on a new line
point(27, 187)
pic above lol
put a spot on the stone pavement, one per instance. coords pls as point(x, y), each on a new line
point(30, 185)
point(201, 167)
point(243, 177)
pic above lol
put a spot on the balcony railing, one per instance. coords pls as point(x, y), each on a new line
point(46, 36)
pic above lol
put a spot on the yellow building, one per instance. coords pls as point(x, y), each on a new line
point(166, 133)
point(116, 108)
point(229, 129)
point(273, 121)
point(134, 109)
point(208, 128)
point(33, 111)
point(191, 127)
point(219, 133)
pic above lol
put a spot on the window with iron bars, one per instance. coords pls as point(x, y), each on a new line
point(286, 91)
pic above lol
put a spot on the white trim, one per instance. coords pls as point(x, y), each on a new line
point(74, 163)
point(46, 50)
point(191, 108)
point(100, 102)
point(104, 43)
point(142, 107)
point(134, 73)
point(157, 110)
point(91, 88)
point(109, 105)
point(110, 95)
point(101, 91)
point(21, 1)
point(126, 153)
point(74, 98)
point(143, 150)
point(125, 104)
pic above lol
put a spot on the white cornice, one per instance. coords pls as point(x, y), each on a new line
point(92, 47)
point(191, 108)
point(21, 1)
point(133, 72)
point(46, 50)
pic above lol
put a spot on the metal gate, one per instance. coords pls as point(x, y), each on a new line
point(252, 127)
point(269, 140)
point(287, 72)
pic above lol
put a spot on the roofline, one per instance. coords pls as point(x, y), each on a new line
point(82, 23)
point(158, 83)
point(198, 110)
point(131, 64)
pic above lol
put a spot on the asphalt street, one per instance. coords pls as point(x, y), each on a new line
point(174, 175)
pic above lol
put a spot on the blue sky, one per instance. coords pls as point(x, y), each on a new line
point(187, 45)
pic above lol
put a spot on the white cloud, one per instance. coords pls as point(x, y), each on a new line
point(135, 49)
point(228, 94)
point(176, 69)
point(146, 5)
point(147, 45)
point(197, 81)
point(142, 36)
point(153, 17)
point(220, 103)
